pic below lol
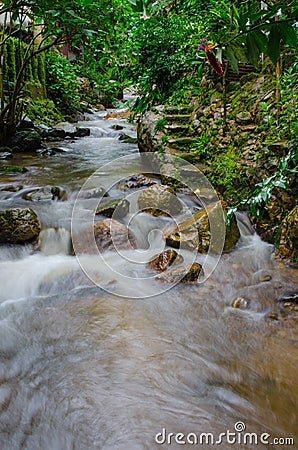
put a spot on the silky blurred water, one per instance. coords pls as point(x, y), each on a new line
point(83, 369)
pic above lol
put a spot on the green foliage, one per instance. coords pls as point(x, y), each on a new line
point(243, 30)
point(160, 124)
point(44, 111)
point(225, 172)
point(62, 81)
point(261, 192)
point(165, 52)
point(288, 123)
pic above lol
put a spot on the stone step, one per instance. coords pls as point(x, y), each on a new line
point(183, 109)
point(180, 141)
point(177, 128)
point(180, 118)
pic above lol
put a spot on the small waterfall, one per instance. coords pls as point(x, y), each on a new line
point(53, 241)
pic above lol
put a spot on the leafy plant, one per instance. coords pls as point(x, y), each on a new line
point(62, 81)
point(261, 192)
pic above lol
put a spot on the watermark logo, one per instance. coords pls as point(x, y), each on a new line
point(121, 261)
point(238, 436)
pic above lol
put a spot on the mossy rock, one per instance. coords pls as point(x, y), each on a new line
point(18, 226)
point(10, 169)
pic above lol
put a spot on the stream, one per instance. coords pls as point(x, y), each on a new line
point(109, 364)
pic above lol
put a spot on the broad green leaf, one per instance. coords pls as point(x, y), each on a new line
point(274, 44)
point(261, 40)
point(232, 59)
point(253, 51)
point(288, 34)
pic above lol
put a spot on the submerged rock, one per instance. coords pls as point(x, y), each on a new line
point(18, 226)
point(159, 200)
point(240, 303)
point(165, 259)
point(118, 208)
point(194, 232)
point(185, 273)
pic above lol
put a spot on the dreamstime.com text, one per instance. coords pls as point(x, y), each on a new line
point(237, 436)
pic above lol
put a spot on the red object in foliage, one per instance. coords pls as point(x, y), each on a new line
point(214, 63)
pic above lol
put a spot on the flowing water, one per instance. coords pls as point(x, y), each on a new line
point(84, 369)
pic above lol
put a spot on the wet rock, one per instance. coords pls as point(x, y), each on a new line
point(25, 141)
point(185, 273)
point(128, 139)
point(243, 118)
point(82, 132)
point(288, 308)
point(116, 208)
point(67, 127)
point(288, 244)
point(240, 303)
point(108, 234)
point(5, 155)
point(26, 124)
point(45, 193)
point(18, 226)
point(165, 259)
point(137, 181)
point(194, 232)
point(55, 133)
point(159, 200)
point(112, 235)
point(5, 152)
point(265, 277)
point(117, 127)
point(94, 193)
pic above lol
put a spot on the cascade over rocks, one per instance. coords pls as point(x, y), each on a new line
point(18, 226)
point(109, 234)
point(234, 158)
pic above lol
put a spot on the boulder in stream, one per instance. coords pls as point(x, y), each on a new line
point(18, 226)
point(118, 208)
point(165, 259)
point(194, 232)
point(109, 234)
point(185, 273)
point(159, 200)
point(45, 194)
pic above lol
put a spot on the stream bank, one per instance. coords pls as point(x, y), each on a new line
point(235, 157)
